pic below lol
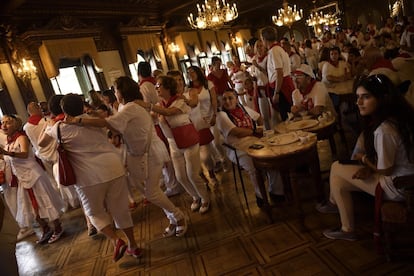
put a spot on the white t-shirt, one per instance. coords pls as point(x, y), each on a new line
point(225, 124)
point(93, 158)
point(277, 58)
point(329, 70)
point(319, 95)
point(47, 153)
point(134, 122)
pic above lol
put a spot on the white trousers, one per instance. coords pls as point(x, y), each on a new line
point(150, 188)
point(246, 162)
point(342, 184)
point(105, 202)
point(187, 170)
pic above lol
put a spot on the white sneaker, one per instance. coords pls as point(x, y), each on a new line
point(24, 233)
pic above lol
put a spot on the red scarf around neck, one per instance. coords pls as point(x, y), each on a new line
point(59, 117)
point(241, 119)
point(383, 63)
point(170, 101)
point(274, 44)
point(12, 138)
point(34, 119)
point(309, 87)
point(149, 79)
point(261, 58)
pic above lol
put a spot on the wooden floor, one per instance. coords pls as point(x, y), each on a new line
point(230, 239)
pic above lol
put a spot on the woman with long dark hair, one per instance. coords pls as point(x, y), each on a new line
point(384, 151)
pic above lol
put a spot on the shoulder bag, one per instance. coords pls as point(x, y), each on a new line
point(66, 173)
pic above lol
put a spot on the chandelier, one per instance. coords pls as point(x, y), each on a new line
point(213, 15)
point(287, 15)
point(320, 18)
point(26, 70)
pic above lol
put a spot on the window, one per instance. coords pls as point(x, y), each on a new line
point(133, 67)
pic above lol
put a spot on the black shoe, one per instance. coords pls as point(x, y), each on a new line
point(277, 198)
point(259, 202)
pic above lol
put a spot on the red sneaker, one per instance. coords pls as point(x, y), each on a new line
point(119, 251)
point(136, 253)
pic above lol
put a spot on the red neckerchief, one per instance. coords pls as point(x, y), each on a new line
point(11, 139)
point(309, 87)
point(404, 55)
point(336, 64)
point(34, 119)
point(235, 69)
point(149, 79)
point(250, 92)
point(170, 101)
point(59, 117)
point(274, 44)
point(241, 119)
point(308, 104)
point(261, 58)
point(383, 63)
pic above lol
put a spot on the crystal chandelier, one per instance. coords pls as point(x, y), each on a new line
point(320, 18)
point(213, 15)
point(287, 15)
point(26, 70)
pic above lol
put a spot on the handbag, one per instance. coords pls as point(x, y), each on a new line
point(205, 136)
point(185, 136)
point(66, 173)
point(3, 174)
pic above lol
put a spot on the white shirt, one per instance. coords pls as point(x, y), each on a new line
point(319, 95)
point(93, 158)
point(338, 87)
point(134, 122)
point(225, 124)
point(277, 58)
point(47, 153)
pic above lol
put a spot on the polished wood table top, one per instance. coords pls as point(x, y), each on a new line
point(323, 123)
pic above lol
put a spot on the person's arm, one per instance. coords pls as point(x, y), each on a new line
point(95, 122)
point(166, 111)
point(241, 132)
point(193, 98)
point(24, 144)
point(317, 110)
point(213, 100)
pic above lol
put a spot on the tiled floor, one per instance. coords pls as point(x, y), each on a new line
point(230, 239)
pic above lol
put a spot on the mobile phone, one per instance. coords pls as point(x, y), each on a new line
point(256, 146)
point(349, 162)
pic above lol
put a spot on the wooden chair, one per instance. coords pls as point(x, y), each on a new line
point(398, 222)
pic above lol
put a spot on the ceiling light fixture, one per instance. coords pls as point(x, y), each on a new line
point(213, 15)
point(287, 15)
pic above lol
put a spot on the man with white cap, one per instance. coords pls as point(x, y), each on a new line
point(311, 95)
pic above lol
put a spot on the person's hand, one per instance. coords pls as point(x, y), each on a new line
point(70, 120)
point(362, 173)
point(295, 109)
point(275, 98)
point(213, 120)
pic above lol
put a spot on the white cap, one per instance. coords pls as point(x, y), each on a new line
point(306, 69)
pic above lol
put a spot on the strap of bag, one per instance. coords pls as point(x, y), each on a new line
point(58, 134)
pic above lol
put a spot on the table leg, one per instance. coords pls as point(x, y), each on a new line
point(296, 198)
point(316, 175)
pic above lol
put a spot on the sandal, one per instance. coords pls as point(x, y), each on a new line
point(55, 237)
point(45, 236)
point(180, 230)
point(170, 231)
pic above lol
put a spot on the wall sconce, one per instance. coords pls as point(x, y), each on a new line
point(26, 70)
point(174, 48)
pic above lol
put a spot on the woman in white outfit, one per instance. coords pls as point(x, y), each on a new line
point(145, 150)
point(202, 98)
point(31, 180)
point(100, 176)
point(383, 152)
point(186, 160)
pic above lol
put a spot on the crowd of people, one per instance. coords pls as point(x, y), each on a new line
point(178, 131)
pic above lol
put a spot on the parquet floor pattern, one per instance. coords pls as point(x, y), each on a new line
point(231, 239)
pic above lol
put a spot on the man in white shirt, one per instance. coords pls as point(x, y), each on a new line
point(311, 95)
point(278, 70)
